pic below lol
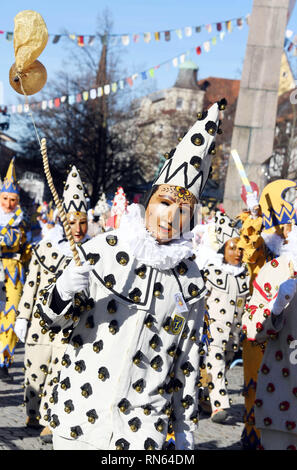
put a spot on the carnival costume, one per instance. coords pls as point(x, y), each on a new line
point(260, 244)
point(133, 358)
point(227, 290)
point(15, 253)
point(43, 349)
point(270, 319)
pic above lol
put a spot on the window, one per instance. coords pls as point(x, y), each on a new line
point(179, 103)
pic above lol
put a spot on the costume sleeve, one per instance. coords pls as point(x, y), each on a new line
point(258, 322)
point(26, 248)
point(11, 238)
point(28, 298)
point(186, 371)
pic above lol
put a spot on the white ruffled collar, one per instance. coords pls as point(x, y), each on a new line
point(145, 248)
point(5, 218)
point(226, 267)
point(64, 246)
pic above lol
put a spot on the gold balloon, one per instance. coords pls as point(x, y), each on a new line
point(29, 39)
point(33, 78)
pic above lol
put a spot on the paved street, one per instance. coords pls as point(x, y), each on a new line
point(14, 435)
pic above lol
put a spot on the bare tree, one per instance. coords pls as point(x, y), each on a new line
point(83, 133)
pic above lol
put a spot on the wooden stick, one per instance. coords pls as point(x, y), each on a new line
point(57, 201)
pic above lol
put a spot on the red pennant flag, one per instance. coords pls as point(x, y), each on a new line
point(290, 47)
point(78, 98)
point(57, 102)
point(167, 35)
point(198, 50)
point(80, 41)
point(130, 81)
point(219, 26)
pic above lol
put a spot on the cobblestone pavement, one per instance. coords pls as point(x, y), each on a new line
point(14, 435)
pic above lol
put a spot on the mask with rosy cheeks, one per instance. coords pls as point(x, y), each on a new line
point(232, 253)
point(79, 225)
point(169, 212)
point(8, 202)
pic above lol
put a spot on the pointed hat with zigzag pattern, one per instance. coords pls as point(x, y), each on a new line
point(188, 165)
point(10, 184)
point(275, 209)
point(74, 193)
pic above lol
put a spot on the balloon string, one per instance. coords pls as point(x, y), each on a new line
point(53, 190)
point(30, 112)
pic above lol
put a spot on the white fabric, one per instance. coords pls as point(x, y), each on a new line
point(145, 248)
point(64, 246)
point(289, 249)
point(53, 234)
point(184, 441)
point(73, 280)
point(228, 268)
point(252, 200)
point(286, 292)
point(273, 241)
point(5, 218)
point(20, 328)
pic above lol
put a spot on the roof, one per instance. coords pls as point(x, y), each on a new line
point(220, 88)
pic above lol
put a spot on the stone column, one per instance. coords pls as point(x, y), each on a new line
point(254, 124)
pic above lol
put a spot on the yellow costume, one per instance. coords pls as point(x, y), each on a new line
point(14, 253)
point(254, 255)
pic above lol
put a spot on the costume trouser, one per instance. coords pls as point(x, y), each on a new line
point(61, 443)
point(8, 338)
point(252, 355)
point(278, 440)
point(52, 379)
point(37, 363)
point(218, 362)
point(225, 342)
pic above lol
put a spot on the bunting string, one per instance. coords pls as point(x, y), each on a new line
point(114, 87)
point(127, 38)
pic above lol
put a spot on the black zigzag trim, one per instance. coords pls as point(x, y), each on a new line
point(183, 166)
point(76, 208)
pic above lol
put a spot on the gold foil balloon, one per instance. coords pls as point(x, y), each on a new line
point(29, 40)
point(33, 78)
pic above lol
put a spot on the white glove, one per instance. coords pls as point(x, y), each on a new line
point(286, 292)
point(74, 279)
point(184, 440)
point(252, 201)
point(20, 328)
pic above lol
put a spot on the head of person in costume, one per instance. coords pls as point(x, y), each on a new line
point(177, 188)
point(278, 215)
point(10, 191)
point(75, 205)
point(227, 238)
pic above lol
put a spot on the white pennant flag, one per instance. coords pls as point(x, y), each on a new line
point(182, 58)
point(222, 35)
point(179, 33)
point(93, 93)
point(206, 46)
point(188, 31)
point(106, 89)
point(175, 61)
point(125, 40)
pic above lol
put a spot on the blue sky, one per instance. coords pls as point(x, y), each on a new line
point(134, 16)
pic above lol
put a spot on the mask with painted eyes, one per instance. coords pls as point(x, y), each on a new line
point(169, 212)
point(232, 253)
